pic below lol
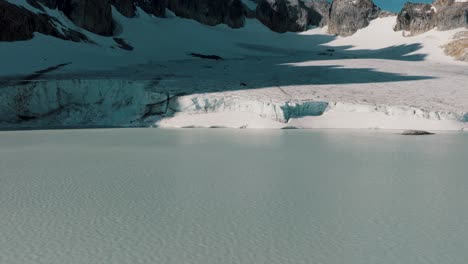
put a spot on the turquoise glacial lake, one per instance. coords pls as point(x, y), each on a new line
point(200, 196)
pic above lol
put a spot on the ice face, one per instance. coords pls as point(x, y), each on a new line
point(114, 102)
point(77, 102)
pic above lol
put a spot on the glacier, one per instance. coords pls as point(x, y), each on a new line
point(125, 103)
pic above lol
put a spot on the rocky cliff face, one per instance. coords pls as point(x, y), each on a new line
point(96, 15)
point(49, 3)
point(348, 16)
point(153, 7)
point(230, 12)
point(442, 14)
point(283, 15)
point(125, 7)
point(322, 7)
point(92, 15)
point(416, 18)
point(12, 28)
point(292, 15)
point(451, 14)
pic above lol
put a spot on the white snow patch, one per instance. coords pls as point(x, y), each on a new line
point(380, 34)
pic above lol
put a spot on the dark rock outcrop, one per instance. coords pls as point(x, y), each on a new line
point(92, 15)
point(286, 15)
point(416, 133)
point(153, 7)
point(210, 12)
point(282, 15)
point(348, 16)
point(35, 4)
point(451, 14)
point(385, 13)
point(458, 47)
point(52, 4)
point(322, 7)
point(441, 3)
point(18, 23)
point(249, 12)
point(122, 43)
point(442, 14)
point(125, 7)
point(416, 18)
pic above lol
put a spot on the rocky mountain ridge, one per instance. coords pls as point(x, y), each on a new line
point(343, 17)
point(416, 18)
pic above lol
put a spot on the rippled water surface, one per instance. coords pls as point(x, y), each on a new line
point(232, 196)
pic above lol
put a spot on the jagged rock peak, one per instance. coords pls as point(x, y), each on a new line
point(442, 14)
point(18, 23)
point(348, 16)
point(153, 7)
point(451, 14)
point(292, 15)
point(323, 8)
point(416, 18)
point(92, 15)
point(49, 3)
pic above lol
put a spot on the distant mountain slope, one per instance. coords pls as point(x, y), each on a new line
point(69, 19)
point(177, 72)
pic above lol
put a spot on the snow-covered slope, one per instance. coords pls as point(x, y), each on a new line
point(380, 34)
point(374, 79)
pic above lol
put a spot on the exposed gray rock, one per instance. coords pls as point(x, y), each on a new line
point(282, 15)
point(416, 133)
point(348, 16)
point(451, 14)
point(36, 4)
point(416, 18)
point(458, 48)
point(441, 3)
point(122, 43)
point(92, 15)
point(286, 15)
point(18, 23)
point(52, 4)
point(322, 7)
point(153, 7)
point(125, 7)
point(385, 13)
point(205, 57)
point(249, 12)
point(442, 14)
point(209, 12)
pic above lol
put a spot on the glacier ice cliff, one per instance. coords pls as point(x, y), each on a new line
point(124, 103)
